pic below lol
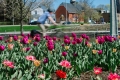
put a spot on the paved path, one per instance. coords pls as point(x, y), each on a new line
point(67, 32)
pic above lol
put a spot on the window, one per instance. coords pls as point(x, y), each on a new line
point(35, 12)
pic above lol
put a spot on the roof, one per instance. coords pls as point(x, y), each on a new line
point(71, 8)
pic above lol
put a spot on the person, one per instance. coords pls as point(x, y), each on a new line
point(42, 19)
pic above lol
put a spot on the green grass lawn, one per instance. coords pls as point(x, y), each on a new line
point(25, 28)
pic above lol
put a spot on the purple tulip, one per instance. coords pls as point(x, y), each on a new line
point(37, 39)
point(50, 42)
point(54, 38)
point(74, 35)
point(101, 40)
point(22, 34)
point(15, 38)
point(63, 45)
point(64, 53)
point(37, 35)
point(28, 35)
point(1, 38)
point(47, 37)
point(67, 41)
point(25, 40)
point(100, 52)
point(79, 40)
point(75, 54)
point(28, 48)
point(10, 35)
point(50, 47)
point(83, 35)
point(2, 47)
point(87, 38)
point(86, 42)
point(66, 37)
point(45, 60)
point(74, 42)
point(35, 43)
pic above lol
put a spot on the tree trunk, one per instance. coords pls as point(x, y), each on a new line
point(21, 27)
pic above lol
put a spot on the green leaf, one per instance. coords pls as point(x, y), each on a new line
point(20, 74)
point(23, 78)
point(1, 77)
point(14, 75)
point(29, 76)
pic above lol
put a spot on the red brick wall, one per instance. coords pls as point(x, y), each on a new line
point(61, 10)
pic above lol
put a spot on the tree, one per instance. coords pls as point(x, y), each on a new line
point(103, 7)
point(95, 15)
point(19, 10)
point(87, 7)
point(47, 3)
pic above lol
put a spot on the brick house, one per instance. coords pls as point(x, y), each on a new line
point(69, 11)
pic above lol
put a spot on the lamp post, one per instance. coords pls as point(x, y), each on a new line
point(113, 19)
point(66, 11)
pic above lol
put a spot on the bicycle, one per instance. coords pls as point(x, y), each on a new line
point(53, 31)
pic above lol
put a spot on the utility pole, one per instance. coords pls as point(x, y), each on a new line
point(113, 19)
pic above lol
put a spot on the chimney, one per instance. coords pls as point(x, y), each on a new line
point(72, 1)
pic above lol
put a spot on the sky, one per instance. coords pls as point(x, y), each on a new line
point(95, 2)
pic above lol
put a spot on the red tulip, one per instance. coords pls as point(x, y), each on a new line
point(113, 76)
point(61, 74)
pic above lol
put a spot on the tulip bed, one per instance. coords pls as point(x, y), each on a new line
point(51, 58)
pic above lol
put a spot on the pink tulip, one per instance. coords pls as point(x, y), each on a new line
point(30, 58)
point(65, 63)
point(97, 70)
point(8, 63)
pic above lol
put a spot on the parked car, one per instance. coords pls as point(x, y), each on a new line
point(66, 23)
point(33, 23)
